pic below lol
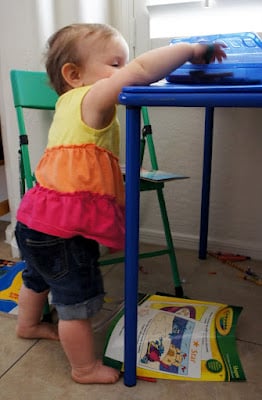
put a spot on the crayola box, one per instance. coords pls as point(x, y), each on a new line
point(180, 339)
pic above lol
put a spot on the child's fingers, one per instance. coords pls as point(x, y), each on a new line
point(215, 52)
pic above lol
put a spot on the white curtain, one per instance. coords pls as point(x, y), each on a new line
point(53, 14)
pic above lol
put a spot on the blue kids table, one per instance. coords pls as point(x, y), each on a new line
point(166, 95)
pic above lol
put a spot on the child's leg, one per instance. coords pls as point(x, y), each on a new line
point(30, 310)
point(77, 339)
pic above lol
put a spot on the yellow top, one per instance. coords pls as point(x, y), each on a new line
point(63, 129)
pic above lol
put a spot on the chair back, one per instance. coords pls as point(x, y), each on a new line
point(30, 90)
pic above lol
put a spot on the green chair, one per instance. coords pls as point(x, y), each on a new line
point(31, 90)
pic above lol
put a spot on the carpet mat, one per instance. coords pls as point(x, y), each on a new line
point(10, 284)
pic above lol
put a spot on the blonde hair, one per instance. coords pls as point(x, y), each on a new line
point(62, 49)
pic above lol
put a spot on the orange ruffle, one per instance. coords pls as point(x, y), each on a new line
point(77, 168)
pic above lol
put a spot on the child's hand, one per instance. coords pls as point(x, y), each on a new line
point(204, 53)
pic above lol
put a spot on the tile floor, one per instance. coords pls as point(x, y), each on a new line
point(38, 369)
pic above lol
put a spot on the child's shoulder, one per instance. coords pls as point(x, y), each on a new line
point(72, 96)
point(75, 92)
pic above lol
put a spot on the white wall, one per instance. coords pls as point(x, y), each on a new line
point(236, 193)
point(18, 49)
point(23, 33)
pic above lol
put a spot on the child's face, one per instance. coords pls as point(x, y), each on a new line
point(104, 59)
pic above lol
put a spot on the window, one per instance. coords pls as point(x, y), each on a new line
point(176, 18)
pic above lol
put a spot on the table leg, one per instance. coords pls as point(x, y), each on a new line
point(132, 179)
point(206, 178)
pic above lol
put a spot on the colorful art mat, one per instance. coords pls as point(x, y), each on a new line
point(10, 285)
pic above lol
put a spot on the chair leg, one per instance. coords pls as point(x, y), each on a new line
point(170, 250)
point(170, 245)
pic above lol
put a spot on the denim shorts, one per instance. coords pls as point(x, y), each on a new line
point(69, 268)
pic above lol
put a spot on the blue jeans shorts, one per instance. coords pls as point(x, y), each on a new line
point(69, 268)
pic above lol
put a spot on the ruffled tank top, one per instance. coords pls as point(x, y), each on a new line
point(79, 188)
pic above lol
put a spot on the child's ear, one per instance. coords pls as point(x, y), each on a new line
point(71, 75)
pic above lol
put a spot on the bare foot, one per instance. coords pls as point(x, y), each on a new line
point(43, 330)
point(97, 373)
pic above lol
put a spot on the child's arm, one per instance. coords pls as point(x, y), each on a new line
point(143, 70)
point(156, 64)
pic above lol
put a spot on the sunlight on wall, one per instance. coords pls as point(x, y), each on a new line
point(189, 19)
point(46, 20)
point(98, 12)
point(53, 15)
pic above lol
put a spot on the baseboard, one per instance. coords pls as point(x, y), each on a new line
point(14, 249)
point(191, 242)
point(10, 239)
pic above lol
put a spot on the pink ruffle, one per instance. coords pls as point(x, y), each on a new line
point(69, 214)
